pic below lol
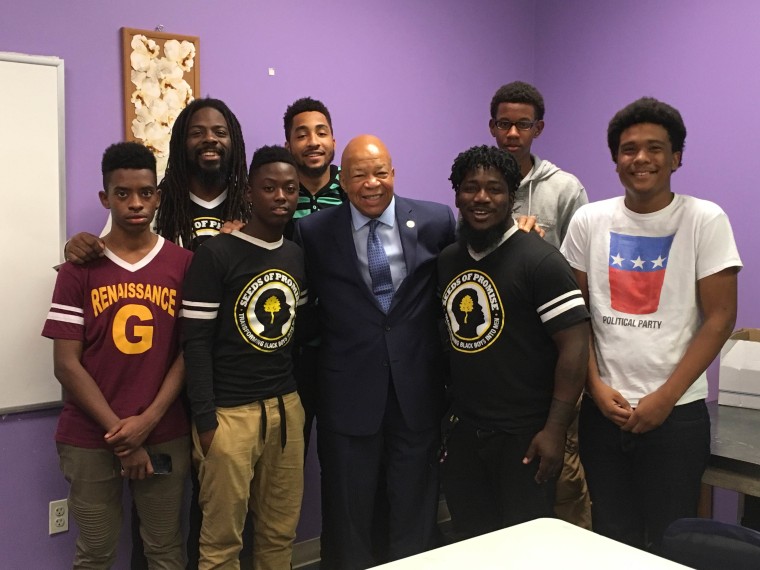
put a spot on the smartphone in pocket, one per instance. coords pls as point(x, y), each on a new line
point(162, 463)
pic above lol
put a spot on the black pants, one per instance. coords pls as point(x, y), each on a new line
point(379, 493)
point(640, 483)
point(486, 485)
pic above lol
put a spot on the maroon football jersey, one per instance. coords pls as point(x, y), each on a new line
point(126, 317)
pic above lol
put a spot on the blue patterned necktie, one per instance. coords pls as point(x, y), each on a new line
point(379, 269)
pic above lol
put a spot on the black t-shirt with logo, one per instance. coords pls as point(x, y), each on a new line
point(501, 312)
point(239, 308)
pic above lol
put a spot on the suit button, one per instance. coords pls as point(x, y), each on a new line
point(387, 329)
point(385, 363)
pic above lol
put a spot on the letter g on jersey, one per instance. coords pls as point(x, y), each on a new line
point(131, 333)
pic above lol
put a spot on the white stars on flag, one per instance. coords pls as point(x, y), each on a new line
point(637, 263)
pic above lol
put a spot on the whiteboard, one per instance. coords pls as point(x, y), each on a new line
point(33, 228)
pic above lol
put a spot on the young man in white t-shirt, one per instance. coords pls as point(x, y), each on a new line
point(659, 273)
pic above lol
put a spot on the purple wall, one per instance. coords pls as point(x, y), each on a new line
point(419, 74)
point(593, 58)
point(416, 73)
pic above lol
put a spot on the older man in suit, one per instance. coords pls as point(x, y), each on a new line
point(371, 264)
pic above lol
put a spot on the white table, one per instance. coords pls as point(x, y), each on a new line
point(542, 544)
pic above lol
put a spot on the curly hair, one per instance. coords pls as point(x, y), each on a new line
point(131, 155)
point(486, 157)
point(647, 110)
point(518, 92)
point(174, 220)
point(304, 105)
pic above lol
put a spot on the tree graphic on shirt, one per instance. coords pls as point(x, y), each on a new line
point(466, 306)
point(272, 306)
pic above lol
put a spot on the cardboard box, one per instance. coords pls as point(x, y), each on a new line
point(739, 381)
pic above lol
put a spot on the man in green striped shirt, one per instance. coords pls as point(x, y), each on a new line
point(309, 137)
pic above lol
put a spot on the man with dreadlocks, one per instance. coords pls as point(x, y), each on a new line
point(519, 336)
point(204, 184)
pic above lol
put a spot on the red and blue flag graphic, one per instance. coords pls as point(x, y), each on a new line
point(637, 267)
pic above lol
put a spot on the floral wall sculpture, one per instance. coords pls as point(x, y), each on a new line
point(161, 76)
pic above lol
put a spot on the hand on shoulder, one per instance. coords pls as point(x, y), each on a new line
point(528, 223)
point(84, 247)
point(231, 226)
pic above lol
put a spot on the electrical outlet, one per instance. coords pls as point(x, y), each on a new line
point(59, 516)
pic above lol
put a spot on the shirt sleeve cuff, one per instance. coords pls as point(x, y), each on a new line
point(206, 421)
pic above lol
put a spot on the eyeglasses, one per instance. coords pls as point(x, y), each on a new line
point(505, 125)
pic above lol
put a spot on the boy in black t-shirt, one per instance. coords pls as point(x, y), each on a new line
point(242, 291)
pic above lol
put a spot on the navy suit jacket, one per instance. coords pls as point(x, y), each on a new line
point(363, 349)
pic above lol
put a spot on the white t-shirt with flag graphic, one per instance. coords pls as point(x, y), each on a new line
point(642, 274)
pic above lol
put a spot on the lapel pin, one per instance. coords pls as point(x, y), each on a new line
point(410, 223)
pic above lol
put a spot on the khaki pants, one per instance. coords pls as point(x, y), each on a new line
point(95, 503)
point(243, 471)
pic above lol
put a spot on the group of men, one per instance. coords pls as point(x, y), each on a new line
point(348, 327)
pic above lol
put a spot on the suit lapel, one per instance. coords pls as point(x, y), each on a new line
point(407, 225)
point(344, 239)
point(407, 231)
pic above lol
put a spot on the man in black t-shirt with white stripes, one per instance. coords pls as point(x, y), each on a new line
point(518, 328)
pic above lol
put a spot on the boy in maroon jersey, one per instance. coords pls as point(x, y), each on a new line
point(114, 325)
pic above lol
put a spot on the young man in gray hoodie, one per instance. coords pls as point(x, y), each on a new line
point(553, 196)
point(546, 191)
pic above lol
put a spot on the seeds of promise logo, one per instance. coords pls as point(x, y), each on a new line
point(265, 310)
point(474, 313)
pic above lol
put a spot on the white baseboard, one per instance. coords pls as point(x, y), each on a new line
point(305, 553)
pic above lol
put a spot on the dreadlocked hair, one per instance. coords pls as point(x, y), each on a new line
point(486, 157)
point(174, 220)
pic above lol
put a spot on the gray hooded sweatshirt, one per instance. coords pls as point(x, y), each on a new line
point(552, 195)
